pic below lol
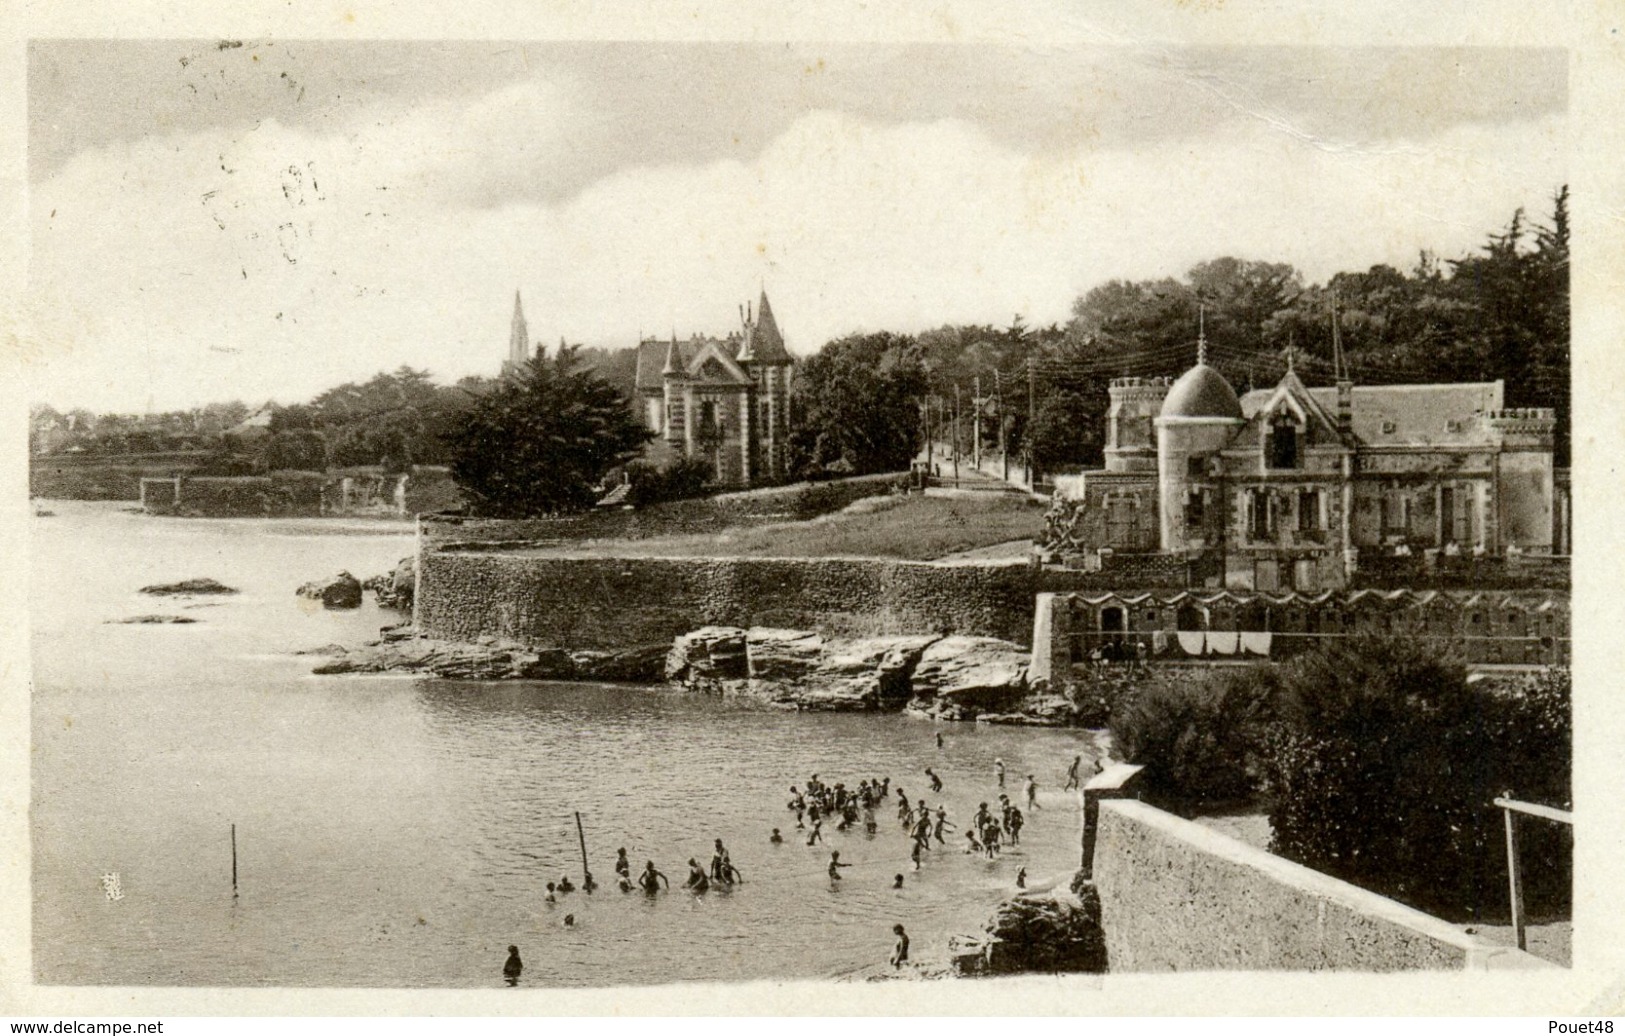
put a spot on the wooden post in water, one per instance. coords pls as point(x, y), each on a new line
point(234, 861)
point(586, 875)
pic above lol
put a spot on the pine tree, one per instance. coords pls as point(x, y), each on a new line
point(543, 439)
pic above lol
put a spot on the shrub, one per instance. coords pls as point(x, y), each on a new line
point(682, 479)
point(1384, 765)
point(1197, 737)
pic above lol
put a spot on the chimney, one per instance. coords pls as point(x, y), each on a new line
point(1345, 386)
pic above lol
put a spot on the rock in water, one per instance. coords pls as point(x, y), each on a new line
point(1051, 933)
point(396, 589)
point(188, 586)
point(708, 653)
point(342, 591)
point(780, 654)
point(971, 672)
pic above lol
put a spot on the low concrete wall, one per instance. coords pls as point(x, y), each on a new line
point(1176, 896)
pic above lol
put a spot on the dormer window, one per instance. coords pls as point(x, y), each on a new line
point(1389, 428)
point(1453, 425)
point(1281, 444)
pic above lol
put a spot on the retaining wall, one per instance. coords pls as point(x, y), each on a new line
point(619, 603)
point(1175, 896)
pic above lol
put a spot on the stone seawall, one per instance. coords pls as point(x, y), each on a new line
point(611, 604)
point(1175, 896)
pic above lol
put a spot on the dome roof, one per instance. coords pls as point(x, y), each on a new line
point(1201, 392)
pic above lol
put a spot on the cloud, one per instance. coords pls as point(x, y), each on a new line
point(278, 261)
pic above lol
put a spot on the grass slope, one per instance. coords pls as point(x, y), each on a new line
point(916, 528)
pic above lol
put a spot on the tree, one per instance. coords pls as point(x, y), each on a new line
point(298, 450)
point(1067, 428)
point(857, 405)
point(542, 440)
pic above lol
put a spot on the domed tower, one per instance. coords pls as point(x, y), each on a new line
point(1199, 417)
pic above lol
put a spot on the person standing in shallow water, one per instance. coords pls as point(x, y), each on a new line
point(623, 866)
point(1072, 773)
point(514, 967)
point(899, 953)
point(998, 771)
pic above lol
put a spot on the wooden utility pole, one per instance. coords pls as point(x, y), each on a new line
point(234, 861)
point(1032, 413)
point(998, 407)
point(976, 418)
point(956, 435)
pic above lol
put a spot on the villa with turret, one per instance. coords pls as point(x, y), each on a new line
point(723, 400)
point(1294, 488)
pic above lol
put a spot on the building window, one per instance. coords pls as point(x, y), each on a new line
point(1195, 512)
point(1396, 514)
point(1121, 523)
point(1196, 467)
point(1309, 510)
point(1389, 428)
point(1281, 444)
point(1260, 521)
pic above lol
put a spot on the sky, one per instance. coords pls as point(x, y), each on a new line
point(261, 220)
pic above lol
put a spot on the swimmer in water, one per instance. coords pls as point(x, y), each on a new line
point(998, 771)
point(587, 884)
point(1029, 790)
point(899, 953)
point(936, 782)
point(1021, 878)
point(551, 889)
point(939, 739)
point(897, 882)
point(972, 845)
point(942, 822)
point(625, 883)
point(514, 966)
point(623, 866)
point(775, 838)
point(569, 920)
point(697, 881)
point(817, 832)
point(564, 884)
point(651, 879)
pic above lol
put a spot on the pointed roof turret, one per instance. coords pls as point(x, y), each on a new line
point(674, 361)
point(763, 342)
point(518, 336)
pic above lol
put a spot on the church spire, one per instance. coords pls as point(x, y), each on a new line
point(519, 336)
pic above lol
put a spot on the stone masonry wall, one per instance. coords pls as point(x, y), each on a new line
point(1176, 896)
point(619, 603)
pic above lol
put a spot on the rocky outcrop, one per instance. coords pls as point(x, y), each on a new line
point(1048, 932)
point(154, 620)
point(394, 590)
point(962, 677)
point(709, 654)
point(399, 651)
point(341, 591)
point(188, 587)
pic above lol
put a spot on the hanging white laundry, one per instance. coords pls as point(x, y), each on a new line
point(1159, 642)
point(1191, 642)
point(1223, 643)
point(1255, 643)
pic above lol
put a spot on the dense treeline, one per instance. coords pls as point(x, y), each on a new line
point(1499, 313)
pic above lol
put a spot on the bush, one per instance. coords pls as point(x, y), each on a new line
point(682, 479)
point(1384, 764)
point(1197, 738)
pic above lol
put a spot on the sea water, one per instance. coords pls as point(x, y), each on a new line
point(395, 831)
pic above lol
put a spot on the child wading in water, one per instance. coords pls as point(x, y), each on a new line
point(899, 953)
point(835, 865)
